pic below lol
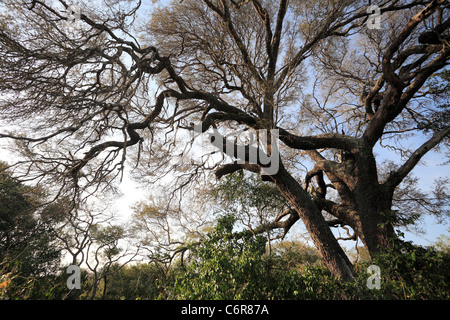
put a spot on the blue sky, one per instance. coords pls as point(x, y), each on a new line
point(431, 167)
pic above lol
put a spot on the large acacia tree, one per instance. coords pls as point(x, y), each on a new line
point(87, 96)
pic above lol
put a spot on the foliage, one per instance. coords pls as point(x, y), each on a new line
point(227, 266)
point(438, 87)
point(410, 272)
point(235, 266)
point(253, 202)
point(28, 247)
point(54, 287)
point(224, 267)
point(244, 191)
point(141, 281)
point(232, 266)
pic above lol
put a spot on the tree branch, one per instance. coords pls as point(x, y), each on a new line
point(388, 71)
point(225, 16)
point(397, 177)
point(395, 101)
point(329, 140)
point(233, 167)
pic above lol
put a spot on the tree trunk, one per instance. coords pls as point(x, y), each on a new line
point(104, 288)
point(324, 240)
point(373, 203)
point(376, 230)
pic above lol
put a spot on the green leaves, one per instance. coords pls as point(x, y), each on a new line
point(410, 272)
point(27, 240)
point(235, 266)
point(249, 192)
point(224, 266)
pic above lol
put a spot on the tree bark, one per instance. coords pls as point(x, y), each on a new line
point(371, 201)
point(324, 240)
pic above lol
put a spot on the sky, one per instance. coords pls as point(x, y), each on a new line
point(432, 166)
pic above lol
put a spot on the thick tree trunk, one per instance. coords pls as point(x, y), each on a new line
point(324, 240)
point(372, 202)
point(375, 231)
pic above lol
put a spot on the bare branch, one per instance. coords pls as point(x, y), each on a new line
point(397, 177)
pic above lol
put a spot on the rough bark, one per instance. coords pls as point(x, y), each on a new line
point(324, 240)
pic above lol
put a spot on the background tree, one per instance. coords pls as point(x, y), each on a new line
point(84, 99)
point(164, 229)
point(138, 281)
point(28, 244)
point(253, 203)
point(105, 256)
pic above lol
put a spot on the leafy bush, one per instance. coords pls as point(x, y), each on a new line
point(235, 266)
point(409, 272)
point(225, 266)
point(141, 281)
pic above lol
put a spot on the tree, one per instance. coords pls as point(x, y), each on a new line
point(28, 244)
point(334, 89)
point(254, 203)
point(139, 281)
point(164, 230)
point(92, 240)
